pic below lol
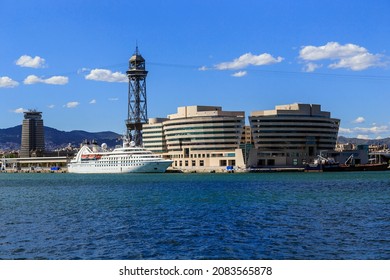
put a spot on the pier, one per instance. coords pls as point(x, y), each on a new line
point(34, 165)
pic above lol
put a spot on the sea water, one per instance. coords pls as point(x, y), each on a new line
point(195, 216)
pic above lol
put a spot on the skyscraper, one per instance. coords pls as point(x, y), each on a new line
point(33, 140)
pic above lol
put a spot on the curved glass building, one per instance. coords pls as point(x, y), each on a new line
point(291, 135)
point(198, 137)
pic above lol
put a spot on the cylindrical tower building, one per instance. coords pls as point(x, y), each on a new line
point(33, 141)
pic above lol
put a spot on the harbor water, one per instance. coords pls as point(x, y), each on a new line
point(195, 216)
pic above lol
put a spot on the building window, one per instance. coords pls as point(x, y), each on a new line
point(193, 163)
point(311, 151)
point(271, 162)
point(201, 163)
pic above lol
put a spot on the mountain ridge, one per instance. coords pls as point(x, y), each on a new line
point(10, 138)
point(358, 141)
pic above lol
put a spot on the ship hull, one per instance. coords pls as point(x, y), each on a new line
point(345, 167)
point(145, 167)
point(364, 167)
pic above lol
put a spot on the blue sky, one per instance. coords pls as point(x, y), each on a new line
point(68, 59)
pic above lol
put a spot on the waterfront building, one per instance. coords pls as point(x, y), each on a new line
point(246, 142)
point(34, 164)
point(246, 137)
point(33, 141)
point(154, 137)
point(344, 147)
point(198, 138)
point(358, 154)
point(291, 135)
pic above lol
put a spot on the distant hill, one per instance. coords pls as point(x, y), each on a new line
point(10, 138)
point(344, 140)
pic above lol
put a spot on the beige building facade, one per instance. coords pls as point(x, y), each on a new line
point(198, 138)
point(291, 135)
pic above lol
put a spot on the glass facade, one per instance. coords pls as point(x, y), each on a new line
point(197, 136)
point(292, 135)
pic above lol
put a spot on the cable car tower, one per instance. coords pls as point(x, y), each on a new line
point(137, 114)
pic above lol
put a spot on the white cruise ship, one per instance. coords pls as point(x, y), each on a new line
point(127, 159)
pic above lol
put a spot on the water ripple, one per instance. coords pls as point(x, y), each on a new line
point(195, 216)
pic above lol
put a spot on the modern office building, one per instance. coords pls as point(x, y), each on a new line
point(291, 135)
point(33, 140)
point(246, 137)
point(154, 137)
point(198, 138)
point(246, 142)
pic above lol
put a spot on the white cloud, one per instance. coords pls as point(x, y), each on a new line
point(239, 74)
point(93, 101)
point(32, 79)
point(373, 130)
point(55, 80)
point(105, 75)
point(359, 120)
point(345, 130)
point(83, 70)
point(203, 68)
point(72, 104)
point(7, 82)
point(28, 61)
point(19, 110)
point(349, 56)
point(358, 62)
point(311, 67)
point(248, 59)
point(113, 99)
point(366, 132)
point(331, 50)
point(51, 106)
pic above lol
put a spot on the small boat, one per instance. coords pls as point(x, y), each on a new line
point(322, 164)
point(350, 165)
point(364, 167)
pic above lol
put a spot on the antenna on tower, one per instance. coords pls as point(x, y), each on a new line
point(136, 47)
